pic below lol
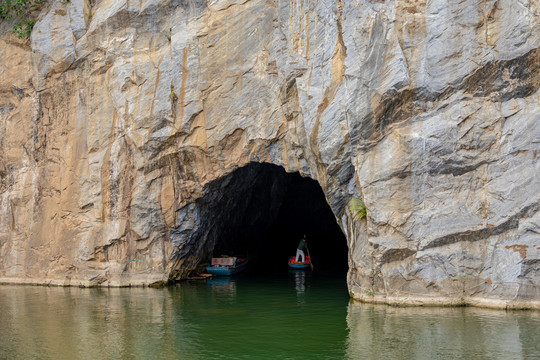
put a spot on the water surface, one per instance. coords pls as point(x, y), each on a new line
point(280, 316)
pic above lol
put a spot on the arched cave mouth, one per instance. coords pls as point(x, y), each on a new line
point(261, 212)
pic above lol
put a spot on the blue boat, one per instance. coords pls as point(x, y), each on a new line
point(298, 264)
point(226, 266)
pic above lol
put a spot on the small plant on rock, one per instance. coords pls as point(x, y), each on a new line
point(357, 208)
point(173, 96)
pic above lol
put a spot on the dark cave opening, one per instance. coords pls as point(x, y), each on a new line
point(261, 212)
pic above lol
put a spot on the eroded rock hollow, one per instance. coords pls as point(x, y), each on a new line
point(260, 212)
point(127, 125)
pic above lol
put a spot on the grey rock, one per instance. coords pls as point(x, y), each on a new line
point(116, 157)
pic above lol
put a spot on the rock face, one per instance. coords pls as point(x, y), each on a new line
point(123, 121)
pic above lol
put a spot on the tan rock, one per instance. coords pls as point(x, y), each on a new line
point(121, 129)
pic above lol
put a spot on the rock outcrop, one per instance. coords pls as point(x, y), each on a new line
point(121, 122)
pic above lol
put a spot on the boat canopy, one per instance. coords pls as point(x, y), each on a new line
point(226, 261)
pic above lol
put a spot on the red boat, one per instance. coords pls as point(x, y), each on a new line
point(298, 264)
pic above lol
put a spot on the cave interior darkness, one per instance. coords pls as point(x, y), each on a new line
point(261, 212)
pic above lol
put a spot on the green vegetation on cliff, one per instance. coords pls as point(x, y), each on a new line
point(22, 10)
point(357, 208)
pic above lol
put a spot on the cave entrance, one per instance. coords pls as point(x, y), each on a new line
point(260, 211)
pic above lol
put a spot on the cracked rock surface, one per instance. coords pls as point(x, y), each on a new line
point(121, 122)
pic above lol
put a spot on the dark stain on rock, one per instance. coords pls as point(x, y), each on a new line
point(6, 109)
point(499, 81)
point(19, 93)
point(485, 233)
point(343, 175)
point(503, 80)
point(394, 108)
point(455, 168)
point(392, 255)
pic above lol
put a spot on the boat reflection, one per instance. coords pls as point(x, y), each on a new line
point(299, 277)
point(223, 286)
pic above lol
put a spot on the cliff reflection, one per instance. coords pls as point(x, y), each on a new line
point(384, 332)
point(300, 316)
point(73, 323)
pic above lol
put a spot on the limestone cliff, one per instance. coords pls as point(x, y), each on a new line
point(119, 119)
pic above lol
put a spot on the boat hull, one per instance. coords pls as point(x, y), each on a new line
point(299, 265)
point(226, 270)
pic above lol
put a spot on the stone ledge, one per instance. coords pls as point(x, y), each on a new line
point(148, 281)
point(503, 304)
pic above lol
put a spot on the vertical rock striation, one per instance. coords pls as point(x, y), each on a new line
point(121, 120)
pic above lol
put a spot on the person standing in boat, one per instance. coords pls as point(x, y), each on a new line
point(300, 250)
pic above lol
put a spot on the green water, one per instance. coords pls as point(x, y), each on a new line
point(280, 316)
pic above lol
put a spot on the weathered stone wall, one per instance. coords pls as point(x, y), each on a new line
point(117, 113)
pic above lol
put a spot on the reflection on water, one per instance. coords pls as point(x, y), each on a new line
point(72, 323)
point(384, 332)
point(299, 281)
point(300, 315)
point(223, 286)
